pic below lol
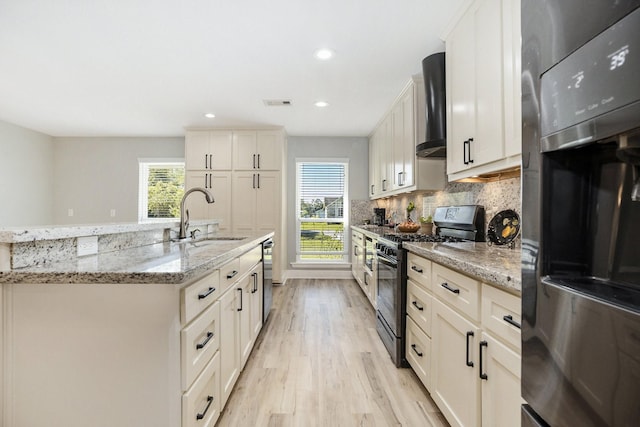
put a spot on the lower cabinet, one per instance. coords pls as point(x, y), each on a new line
point(201, 403)
point(454, 366)
point(229, 342)
point(464, 346)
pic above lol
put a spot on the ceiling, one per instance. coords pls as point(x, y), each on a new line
point(152, 68)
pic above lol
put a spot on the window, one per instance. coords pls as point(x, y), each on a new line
point(321, 211)
point(161, 188)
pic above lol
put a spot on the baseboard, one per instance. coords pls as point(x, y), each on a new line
point(316, 274)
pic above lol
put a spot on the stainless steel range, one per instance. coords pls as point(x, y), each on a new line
point(454, 224)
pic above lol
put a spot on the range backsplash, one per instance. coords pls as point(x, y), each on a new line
point(494, 196)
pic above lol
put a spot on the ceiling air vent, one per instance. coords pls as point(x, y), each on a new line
point(277, 102)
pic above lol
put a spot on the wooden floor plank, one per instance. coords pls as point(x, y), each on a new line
point(319, 362)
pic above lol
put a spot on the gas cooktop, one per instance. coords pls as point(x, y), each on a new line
point(409, 237)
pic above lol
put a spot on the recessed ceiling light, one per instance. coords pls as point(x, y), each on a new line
point(321, 104)
point(324, 54)
point(209, 115)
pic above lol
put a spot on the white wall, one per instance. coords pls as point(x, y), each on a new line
point(94, 175)
point(26, 176)
point(354, 149)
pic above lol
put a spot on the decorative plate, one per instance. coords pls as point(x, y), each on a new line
point(504, 227)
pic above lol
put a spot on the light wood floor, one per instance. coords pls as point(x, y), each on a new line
point(319, 362)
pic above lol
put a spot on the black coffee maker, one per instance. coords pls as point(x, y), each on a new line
point(379, 216)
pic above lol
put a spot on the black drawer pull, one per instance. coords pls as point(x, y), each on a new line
point(207, 293)
point(469, 334)
point(202, 344)
point(416, 269)
point(209, 402)
point(483, 376)
point(232, 274)
point(509, 319)
point(449, 288)
point(413, 346)
point(240, 289)
point(415, 304)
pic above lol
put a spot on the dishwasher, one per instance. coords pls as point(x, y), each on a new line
point(267, 275)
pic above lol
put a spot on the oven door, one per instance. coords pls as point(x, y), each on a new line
point(388, 290)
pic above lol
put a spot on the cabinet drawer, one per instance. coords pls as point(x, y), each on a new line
point(199, 342)
point(418, 351)
point(419, 269)
point(459, 291)
point(357, 238)
point(251, 258)
point(201, 403)
point(198, 296)
point(419, 306)
point(501, 315)
point(229, 273)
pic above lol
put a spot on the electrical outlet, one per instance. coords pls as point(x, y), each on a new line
point(112, 213)
point(87, 245)
point(70, 212)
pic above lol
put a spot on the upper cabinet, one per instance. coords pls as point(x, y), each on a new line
point(254, 150)
point(208, 150)
point(483, 89)
point(393, 165)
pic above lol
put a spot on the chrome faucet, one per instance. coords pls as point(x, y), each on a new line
point(184, 215)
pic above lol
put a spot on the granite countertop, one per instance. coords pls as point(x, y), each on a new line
point(166, 262)
point(496, 265)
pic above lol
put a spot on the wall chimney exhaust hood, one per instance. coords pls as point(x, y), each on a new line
point(434, 86)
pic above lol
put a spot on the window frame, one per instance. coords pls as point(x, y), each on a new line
point(344, 254)
point(144, 165)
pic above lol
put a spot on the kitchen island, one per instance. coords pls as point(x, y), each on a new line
point(154, 334)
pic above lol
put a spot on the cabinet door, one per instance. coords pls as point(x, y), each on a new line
point(501, 399)
point(221, 149)
point(488, 140)
point(268, 150)
point(512, 79)
point(244, 150)
point(385, 154)
point(460, 81)
point(229, 342)
point(373, 165)
point(244, 201)
point(197, 203)
point(256, 302)
point(408, 138)
point(397, 147)
point(246, 333)
point(221, 189)
point(418, 351)
point(268, 201)
point(197, 150)
point(454, 366)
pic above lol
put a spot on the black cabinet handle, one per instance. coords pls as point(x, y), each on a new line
point(255, 283)
point(416, 269)
point(206, 293)
point(254, 161)
point(254, 180)
point(209, 402)
point(201, 345)
point(210, 180)
point(232, 274)
point(470, 141)
point(466, 151)
point(384, 185)
point(483, 376)
point(509, 319)
point(449, 288)
point(469, 334)
point(258, 180)
point(413, 346)
point(372, 186)
point(415, 304)
point(240, 289)
point(258, 161)
point(365, 279)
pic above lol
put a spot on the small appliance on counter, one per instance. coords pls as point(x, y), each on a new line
point(379, 216)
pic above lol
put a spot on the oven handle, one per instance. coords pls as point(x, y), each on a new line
point(386, 260)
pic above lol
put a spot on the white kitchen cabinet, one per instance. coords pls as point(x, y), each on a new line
point(357, 257)
point(250, 312)
point(229, 341)
point(208, 150)
point(500, 370)
point(219, 184)
point(201, 403)
point(257, 150)
point(393, 145)
point(256, 201)
point(483, 89)
point(454, 366)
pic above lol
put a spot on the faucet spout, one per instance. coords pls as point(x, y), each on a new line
point(184, 214)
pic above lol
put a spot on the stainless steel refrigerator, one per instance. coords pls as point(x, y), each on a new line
point(581, 213)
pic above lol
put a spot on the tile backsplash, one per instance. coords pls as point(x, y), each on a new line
point(494, 196)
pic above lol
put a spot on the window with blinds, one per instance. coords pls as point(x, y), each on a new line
point(161, 189)
point(321, 211)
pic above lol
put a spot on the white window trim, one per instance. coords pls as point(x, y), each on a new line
point(345, 220)
point(143, 178)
